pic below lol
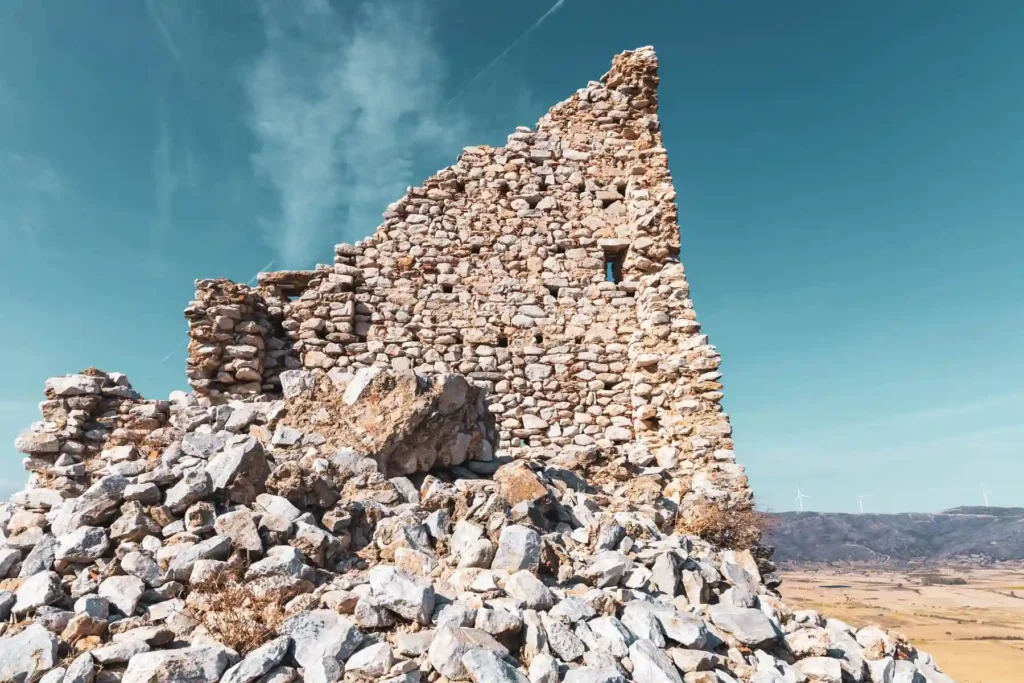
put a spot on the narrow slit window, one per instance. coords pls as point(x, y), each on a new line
point(447, 289)
point(538, 339)
point(502, 341)
point(553, 290)
point(475, 249)
point(613, 266)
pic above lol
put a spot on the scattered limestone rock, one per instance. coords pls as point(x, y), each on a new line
point(322, 641)
point(27, 654)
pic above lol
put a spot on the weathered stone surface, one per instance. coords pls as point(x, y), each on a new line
point(215, 548)
point(651, 664)
point(32, 443)
point(191, 488)
point(83, 625)
point(485, 666)
point(123, 592)
point(241, 468)
point(400, 593)
point(28, 654)
point(40, 558)
point(144, 567)
point(81, 670)
point(821, 669)
point(38, 590)
point(643, 624)
point(280, 561)
point(82, 545)
point(370, 662)
point(240, 528)
point(562, 641)
point(44, 499)
point(451, 643)
point(685, 629)
point(591, 674)
point(749, 626)
point(518, 548)
point(117, 653)
point(520, 485)
point(74, 385)
point(201, 664)
point(528, 589)
point(258, 662)
point(478, 553)
point(612, 636)
point(322, 641)
point(7, 601)
point(497, 622)
point(544, 669)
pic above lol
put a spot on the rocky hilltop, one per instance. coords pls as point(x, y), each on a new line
point(971, 534)
point(485, 444)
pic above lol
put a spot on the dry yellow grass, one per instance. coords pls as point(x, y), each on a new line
point(975, 631)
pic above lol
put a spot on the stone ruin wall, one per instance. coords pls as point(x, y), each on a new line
point(497, 268)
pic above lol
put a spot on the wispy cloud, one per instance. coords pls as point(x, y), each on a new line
point(8, 405)
point(511, 46)
point(916, 417)
point(344, 101)
point(29, 187)
point(165, 15)
point(170, 175)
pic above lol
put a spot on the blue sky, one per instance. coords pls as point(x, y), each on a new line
point(849, 178)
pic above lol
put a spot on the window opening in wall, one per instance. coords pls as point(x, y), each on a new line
point(559, 248)
point(613, 265)
point(447, 289)
point(502, 341)
point(553, 290)
point(538, 339)
point(360, 338)
point(475, 249)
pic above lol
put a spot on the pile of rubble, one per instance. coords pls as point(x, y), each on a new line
point(475, 447)
point(247, 550)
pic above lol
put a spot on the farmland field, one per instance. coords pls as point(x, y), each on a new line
point(975, 631)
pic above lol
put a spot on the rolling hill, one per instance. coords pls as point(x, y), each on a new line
point(979, 534)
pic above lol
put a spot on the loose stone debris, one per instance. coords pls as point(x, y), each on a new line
point(468, 450)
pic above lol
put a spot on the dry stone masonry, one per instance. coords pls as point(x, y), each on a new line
point(467, 450)
point(546, 270)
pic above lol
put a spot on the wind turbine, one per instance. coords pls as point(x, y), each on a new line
point(860, 499)
point(800, 498)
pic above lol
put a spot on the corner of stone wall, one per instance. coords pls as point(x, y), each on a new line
point(237, 346)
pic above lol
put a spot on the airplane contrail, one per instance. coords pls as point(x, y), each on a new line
point(522, 36)
point(176, 349)
point(261, 270)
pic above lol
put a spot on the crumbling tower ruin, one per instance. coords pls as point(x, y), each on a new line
point(476, 447)
point(547, 270)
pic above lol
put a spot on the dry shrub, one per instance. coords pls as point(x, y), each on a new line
point(726, 527)
point(236, 616)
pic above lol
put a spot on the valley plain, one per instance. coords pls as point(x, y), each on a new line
point(975, 630)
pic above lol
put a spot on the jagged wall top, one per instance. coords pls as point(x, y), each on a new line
point(546, 269)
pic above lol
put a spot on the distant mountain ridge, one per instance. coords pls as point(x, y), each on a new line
point(982, 534)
